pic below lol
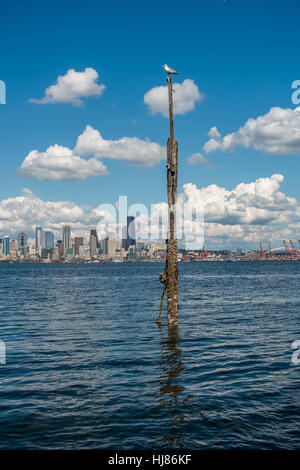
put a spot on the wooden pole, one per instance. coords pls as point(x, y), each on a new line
point(172, 251)
point(170, 276)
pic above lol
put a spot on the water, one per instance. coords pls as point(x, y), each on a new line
point(87, 366)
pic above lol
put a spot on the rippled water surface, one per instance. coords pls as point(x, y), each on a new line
point(87, 366)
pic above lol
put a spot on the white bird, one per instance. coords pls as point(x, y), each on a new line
point(169, 71)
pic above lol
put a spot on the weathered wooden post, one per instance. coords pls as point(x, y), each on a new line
point(170, 277)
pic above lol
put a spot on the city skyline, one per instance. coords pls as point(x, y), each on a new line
point(70, 247)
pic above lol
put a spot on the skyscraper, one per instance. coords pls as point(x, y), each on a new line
point(60, 248)
point(130, 231)
point(66, 238)
point(94, 233)
point(78, 243)
point(93, 245)
point(110, 246)
point(48, 240)
point(47, 244)
point(12, 246)
point(124, 238)
point(82, 252)
point(5, 246)
point(38, 239)
point(22, 242)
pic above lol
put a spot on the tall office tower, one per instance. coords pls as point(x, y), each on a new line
point(1, 245)
point(124, 238)
point(38, 239)
point(82, 251)
point(5, 246)
point(67, 243)
point(12, 245)
point(100, 246)
point(78, 243)
point(48, 242)
point(110, 246)
point(130, 231)
point(60, 247)
point(93, 245)
point(94, 233)
point(22, 242)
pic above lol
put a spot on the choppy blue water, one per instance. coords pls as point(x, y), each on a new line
point(87, 366)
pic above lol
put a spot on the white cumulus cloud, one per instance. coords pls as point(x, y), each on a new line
point(72, 87)
point(26, 211)
point(242, 216)
point(130, 149)
point(214, 133)
point(256, 203)
point(61, 164)
point(277, 132)
point(185, 97)
point(198, 158)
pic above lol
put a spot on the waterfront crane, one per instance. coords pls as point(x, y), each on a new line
point(271, 254)
point(295, 251)
point(262, 253)
point(205, 255)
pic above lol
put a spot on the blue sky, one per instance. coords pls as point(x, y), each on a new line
point(242, 55)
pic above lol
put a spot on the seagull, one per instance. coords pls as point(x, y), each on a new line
point(169, 71)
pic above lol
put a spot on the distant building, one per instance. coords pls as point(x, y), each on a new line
point(5, 246)
point(60, 248)
point(93, 232)
point(133, 253)
point(48, 243)
point(78, 242)
point(110, 246)
point(69, 253)
point(124, 238)
point(12, 246)
point(38, 240)
point(93, 245)
point(100, 246)
point(67, 242)
point(128, 235)
point(82, 251)
point(22, 243)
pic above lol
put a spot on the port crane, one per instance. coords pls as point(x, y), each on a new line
point(205, 255)
point(262, 253)
point(295, 251)
point(271, 254)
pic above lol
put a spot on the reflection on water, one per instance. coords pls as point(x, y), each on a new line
point(171, 389)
